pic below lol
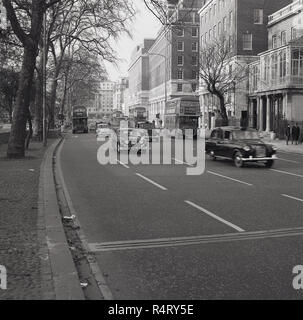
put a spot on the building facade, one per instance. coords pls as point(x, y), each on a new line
point(138, 74)
point(173, 58)
point(276, 78)
point(3, 17)
point(243, 23)
point(103, 100)
point(119, 94)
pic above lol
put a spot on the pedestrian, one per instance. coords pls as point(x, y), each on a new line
point(298, 132)
point(287, 134)
point(293, 134)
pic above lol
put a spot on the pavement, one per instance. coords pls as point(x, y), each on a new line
point(290, 148)
point(33, 245)
point(19, 226)
point(160, 234)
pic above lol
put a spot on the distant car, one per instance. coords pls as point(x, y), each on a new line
point(92, 127)
point(103, 130)
point(130, 139)
point(240, 145)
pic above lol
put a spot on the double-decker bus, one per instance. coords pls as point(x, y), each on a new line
point(137, 116)
point(116, 118)
point(181, 114)
point(80, 120)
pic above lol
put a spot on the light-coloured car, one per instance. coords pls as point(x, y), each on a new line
point(103, 131)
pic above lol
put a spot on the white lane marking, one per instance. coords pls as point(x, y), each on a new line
point(289, 173)
point(232, 179)
point(151, 181)
point(293, 198)
point(286, 160)
point(123, 164)
point(182, 162)
point(215, 216)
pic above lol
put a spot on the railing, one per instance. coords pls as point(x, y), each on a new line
point(288, 10)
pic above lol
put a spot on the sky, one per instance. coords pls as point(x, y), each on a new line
point(145, 25)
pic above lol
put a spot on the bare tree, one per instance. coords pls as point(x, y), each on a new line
point(26, 19)
point(220, 71)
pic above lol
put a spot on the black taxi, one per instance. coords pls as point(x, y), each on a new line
point(240, 145)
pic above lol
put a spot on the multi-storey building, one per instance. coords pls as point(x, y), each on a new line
point(276, 78)
point(119, 94)
point(244, 24)
point(138, 74)
point(173, 58)
point(103, 102)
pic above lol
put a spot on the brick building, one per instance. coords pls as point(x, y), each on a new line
point(244, 24)
point(276, 78)
point(173, 58)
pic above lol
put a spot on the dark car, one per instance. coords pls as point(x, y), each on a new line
point(240, 145)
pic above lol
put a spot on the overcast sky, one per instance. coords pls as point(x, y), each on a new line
point(144, 26)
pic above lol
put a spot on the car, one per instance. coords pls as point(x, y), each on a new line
point(92, 127)
point(103, 130)
point(130, 139)
point(241, 145)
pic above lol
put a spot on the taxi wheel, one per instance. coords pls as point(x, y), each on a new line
point(269, 163)
point(238, 161)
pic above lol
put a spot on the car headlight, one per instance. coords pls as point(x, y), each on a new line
point(247, 148)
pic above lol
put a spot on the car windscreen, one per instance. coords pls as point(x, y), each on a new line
point(102, 126)
point(245, 135)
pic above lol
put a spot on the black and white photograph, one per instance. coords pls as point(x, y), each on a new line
point(151, 153)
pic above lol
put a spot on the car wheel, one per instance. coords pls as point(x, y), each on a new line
point(238, 159)
point(212, 156)
point(269, 163)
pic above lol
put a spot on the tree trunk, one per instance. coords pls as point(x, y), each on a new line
point(17, 137)
point(223, 112)
point(30, 132)
point(53, 97)
point(38, 103)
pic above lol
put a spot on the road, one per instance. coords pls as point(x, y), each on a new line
point(160, 234)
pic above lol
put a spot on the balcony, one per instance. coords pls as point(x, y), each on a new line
point(285, 12)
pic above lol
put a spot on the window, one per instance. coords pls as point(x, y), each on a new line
point(258, 16)
point(194, 74)
point(274, 66)
point(297, 62)
point(194, 32)
point(247, 41)
point(180, 74)
point(180, 46)
point(293, 33)
point(180, 60)
point(194, 60)
point(283, 38)
point(231, 20)
point(274, 41)
point(194, 45)
point(180, 87)
point(224, 24)
point(283, 64)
